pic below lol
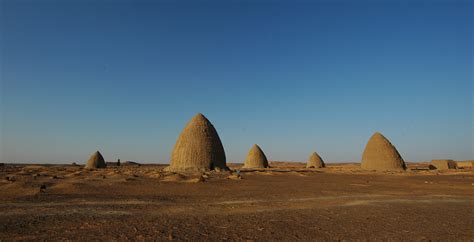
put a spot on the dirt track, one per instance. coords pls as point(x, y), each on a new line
point(284, 204)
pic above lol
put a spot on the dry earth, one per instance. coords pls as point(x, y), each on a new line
point(288, 202)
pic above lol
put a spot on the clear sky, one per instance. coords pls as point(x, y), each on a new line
point(124, 77)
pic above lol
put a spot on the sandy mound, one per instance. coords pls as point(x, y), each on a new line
point(96, 161)
point(256, 158)
point(196, 180)
point(266, 173)
point(183, 178)
point(234, 176)
point(198, 148)
point(315, 161)
point(174, 178)
point(381, 155)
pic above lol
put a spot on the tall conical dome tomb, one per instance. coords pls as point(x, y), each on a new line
point(256, 158)
point(315, 161)
point(95, 161)
point(198, 148)
point(381, 155)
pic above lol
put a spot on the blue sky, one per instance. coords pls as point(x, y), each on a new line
point(124, 77)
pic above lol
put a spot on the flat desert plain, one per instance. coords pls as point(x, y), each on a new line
point(286, 202)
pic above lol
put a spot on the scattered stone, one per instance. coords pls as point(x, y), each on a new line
point(196, 180)
point(10, 178)
point(234, 177)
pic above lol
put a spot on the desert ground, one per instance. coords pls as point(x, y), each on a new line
point(285, 202)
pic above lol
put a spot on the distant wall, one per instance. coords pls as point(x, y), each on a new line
point(443, 164)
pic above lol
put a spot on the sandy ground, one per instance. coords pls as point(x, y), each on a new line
point(341, 202)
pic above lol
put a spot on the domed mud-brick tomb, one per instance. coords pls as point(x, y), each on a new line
point(256, 158)
point(315, 161)
point(198, 148)
point(381, 155)
point(95, 161)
